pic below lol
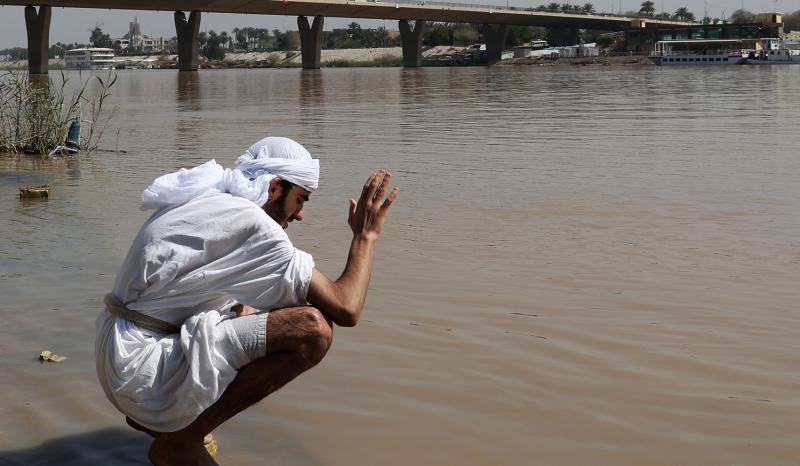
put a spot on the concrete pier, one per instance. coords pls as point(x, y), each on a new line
point(412, 42)
point(187, 32)
point(38, 26)
point(495, 38)
point(310, 41)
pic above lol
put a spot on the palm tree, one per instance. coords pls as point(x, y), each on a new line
point(648, 8)
point(554, 6)
point(588, 8)
point(683, 14)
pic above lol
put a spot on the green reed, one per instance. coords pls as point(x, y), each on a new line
point(36, 113)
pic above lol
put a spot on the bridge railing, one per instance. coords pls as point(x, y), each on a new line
point(515, 8)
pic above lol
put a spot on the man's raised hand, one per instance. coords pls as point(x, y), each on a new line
point(368, 214)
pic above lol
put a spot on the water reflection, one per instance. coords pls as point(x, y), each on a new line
point(188, 93)
point(414, 83)
point(312, 104)
point(189, 126)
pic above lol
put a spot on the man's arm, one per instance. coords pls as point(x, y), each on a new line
point(343, 299)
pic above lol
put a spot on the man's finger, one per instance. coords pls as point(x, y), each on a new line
point(390, 198)
point(373, 186)
point(365, 191)
point(382, 186)
point(352, 210)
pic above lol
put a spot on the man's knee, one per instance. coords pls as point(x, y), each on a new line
point(317, 334)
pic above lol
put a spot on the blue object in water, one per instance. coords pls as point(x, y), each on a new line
point(73, 136)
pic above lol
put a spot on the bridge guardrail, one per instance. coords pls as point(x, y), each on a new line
point(515, 8)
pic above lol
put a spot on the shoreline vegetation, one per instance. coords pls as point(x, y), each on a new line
point(36, 113)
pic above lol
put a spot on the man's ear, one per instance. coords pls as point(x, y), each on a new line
point(274, 188)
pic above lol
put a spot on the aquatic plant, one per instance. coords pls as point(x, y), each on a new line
point(36, 112)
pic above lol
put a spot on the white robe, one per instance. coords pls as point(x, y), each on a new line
point(188, 265)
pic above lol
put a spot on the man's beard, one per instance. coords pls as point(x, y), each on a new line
point(277, 209)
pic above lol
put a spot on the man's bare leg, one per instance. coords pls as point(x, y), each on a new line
point(297, 339)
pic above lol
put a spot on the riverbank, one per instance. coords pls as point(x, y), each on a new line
point(338, 58)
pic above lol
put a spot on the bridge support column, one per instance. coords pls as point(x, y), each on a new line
point(495, 38)
point(187, 32)
point(412, 42)
point(38, 26)
point(310, 41)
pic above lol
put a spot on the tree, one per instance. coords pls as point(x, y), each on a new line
point(605, 41)
point(98, 39)
point(465, 34)
point(212, 46)
point(438, 34)
point(553, 7)
point(791, 22)
point(742, 16)
point(15, 53)
point(518, 35)
point(683, 14)
point(290, 40)
point(588, 8)
point(56, 50)
point(648, 8)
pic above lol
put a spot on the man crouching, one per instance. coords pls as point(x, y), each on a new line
point(213, 308)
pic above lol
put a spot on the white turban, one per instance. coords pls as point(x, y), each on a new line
point(268, 158)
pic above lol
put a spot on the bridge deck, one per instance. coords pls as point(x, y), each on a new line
point(362, 9)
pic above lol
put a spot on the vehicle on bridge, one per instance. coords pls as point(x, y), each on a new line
point(93, 58)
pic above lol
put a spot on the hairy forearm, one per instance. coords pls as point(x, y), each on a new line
point(342, 300)
point(351, 287)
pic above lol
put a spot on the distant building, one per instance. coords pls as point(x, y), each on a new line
point(134, 40)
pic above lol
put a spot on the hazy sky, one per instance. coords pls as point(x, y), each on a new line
point(73, 24)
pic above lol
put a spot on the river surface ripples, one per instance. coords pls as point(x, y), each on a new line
point(584, 266)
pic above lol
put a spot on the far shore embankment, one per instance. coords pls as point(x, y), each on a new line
point(332, 58)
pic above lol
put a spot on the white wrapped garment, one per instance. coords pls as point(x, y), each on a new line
point(263, 161)
point(188, 265)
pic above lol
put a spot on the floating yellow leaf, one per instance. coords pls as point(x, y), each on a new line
point(49, 356)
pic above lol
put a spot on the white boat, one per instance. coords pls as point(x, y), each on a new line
point(773, 52)
point(701, 51)
point(89, 59)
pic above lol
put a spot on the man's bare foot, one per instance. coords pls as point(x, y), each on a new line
point(168, 453)
point(209, 438)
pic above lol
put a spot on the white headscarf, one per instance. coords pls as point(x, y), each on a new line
point(268, 158)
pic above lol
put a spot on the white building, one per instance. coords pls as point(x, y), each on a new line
point(135, 40)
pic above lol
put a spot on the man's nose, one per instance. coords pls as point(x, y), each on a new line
point(299, 216)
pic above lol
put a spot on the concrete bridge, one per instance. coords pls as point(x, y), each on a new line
point(495, 22)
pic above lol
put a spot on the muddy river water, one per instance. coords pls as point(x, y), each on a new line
point(585, 266)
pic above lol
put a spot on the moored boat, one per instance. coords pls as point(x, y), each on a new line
point(701, 51)
point(93, 58)
point(773, 52)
